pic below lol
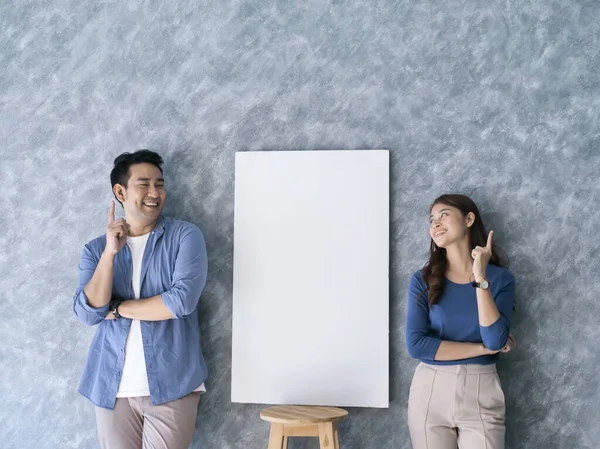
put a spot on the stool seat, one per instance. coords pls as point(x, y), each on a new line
point(303, 421)
point(302, 414)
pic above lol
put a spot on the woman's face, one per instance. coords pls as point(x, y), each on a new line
point(448, 225)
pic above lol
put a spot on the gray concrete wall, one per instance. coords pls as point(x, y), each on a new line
point(499, 100)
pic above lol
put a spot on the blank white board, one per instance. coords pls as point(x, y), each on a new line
point(310, 285)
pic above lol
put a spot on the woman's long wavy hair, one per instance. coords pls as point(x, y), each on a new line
point(434, 272)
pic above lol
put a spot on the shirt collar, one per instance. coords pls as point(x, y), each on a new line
point(159, 228)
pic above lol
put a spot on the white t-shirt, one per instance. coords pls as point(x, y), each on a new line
point(134, 382)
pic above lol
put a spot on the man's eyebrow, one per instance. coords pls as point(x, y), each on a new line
point(148, 179)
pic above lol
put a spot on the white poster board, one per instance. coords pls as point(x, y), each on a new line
point(310, 286)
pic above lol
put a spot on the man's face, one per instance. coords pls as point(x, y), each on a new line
point(144, 196)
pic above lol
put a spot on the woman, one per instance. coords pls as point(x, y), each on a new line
point(458, 320)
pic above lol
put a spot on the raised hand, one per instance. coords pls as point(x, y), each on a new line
point(481, 257)
point(116, 232)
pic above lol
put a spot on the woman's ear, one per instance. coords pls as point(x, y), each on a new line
point(470, 219)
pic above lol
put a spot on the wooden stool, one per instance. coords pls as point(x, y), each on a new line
point(303, 421)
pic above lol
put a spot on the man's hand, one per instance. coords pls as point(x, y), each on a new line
point(116, 232)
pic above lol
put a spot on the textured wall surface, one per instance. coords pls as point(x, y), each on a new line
point(499, 100)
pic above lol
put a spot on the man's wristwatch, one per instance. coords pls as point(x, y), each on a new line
point(113, 305)
point(115, 310)
point(484, 284)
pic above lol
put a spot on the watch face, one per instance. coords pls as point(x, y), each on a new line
point(485, 285)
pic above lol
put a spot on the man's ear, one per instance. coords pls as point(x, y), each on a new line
point(119, 192)
point(470, 219)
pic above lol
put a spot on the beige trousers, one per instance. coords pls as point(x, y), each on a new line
point(137, 424)
point(456, 406)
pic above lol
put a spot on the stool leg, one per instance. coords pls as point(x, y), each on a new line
point(326, 437)
point(276, 438)
point(336, 436)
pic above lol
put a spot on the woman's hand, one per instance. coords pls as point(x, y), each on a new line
point(481, 257)
point(509, 346)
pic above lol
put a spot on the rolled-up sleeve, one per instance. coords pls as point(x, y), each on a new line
point(85, 313)
point(495, 336)
point(189, 277)
point(419, 343)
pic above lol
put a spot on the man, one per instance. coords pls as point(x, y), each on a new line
point(140, 284)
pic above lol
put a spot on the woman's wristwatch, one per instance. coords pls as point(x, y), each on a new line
point(484, 284)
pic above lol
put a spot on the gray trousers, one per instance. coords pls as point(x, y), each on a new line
point(137, 424)
point(456, 406)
